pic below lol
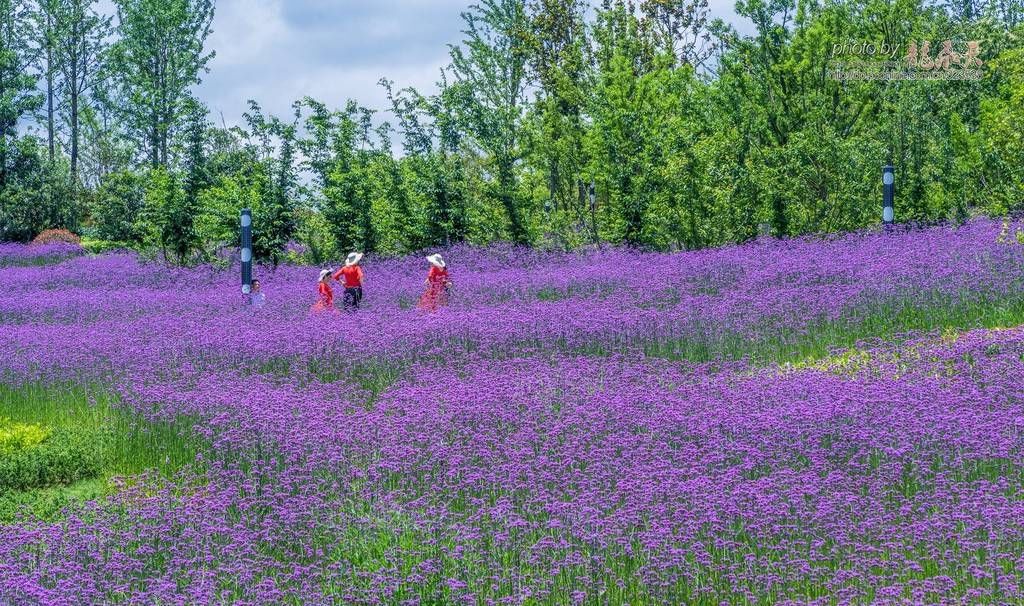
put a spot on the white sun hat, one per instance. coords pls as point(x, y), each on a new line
point(323, 274)
point(353, 258)
point(436, 260)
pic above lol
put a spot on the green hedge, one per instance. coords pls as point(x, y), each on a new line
point(64, 457)
point(96, 247)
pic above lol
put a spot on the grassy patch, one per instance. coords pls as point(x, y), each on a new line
point(48, 503)
point(61, 445)
point(63, 456)
point(891, 321)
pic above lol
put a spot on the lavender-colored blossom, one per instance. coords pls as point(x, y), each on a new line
point(572, 428)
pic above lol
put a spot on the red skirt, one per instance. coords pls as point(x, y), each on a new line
point(435, 296)
point(323, 305)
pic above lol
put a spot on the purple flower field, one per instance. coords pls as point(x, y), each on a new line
point(822, 422)
point(37, 254)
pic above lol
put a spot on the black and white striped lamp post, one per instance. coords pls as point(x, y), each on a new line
point(888, 180)
point(246, 221)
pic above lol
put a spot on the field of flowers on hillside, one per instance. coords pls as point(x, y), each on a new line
point(813, 421)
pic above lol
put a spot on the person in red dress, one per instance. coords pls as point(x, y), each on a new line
point(326, 301)
point(438, 284)
point(351, 276)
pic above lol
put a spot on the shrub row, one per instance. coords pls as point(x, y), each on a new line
point(65, 456)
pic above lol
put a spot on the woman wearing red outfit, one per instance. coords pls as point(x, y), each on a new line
point(351, 275)
point(438, 285)
point(326, 300)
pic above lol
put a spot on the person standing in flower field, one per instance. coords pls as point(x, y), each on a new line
point(326, 300)
point(256, 298)
point(438, 284)
point(351, 276)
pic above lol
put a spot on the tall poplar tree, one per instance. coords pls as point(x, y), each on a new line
point(47, 35)
point(492, 70)
point(157, 59)
point(81, 52)
point(559, 61)
point(18, 94)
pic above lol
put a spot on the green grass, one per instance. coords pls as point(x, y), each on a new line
point(892, 321)
point(91, 440)
point(48, 503)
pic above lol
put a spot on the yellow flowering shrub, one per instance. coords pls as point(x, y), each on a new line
point(16, 437)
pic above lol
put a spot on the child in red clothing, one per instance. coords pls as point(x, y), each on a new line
point(438, 285)
point(326, 300)
point(351, 276)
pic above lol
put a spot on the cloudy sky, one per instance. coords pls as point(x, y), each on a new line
point(277, 51)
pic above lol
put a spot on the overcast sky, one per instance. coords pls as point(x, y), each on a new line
point(277, 51)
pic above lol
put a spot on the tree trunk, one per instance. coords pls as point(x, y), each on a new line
point(154, 141)
point(74, 136)
point(49, 86)
point(506, 190)
point(76, 59)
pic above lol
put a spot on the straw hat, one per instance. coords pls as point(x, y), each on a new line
point(323, 274)
point(436, 260)
point(353, 258)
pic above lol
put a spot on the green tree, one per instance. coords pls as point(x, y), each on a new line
point(171, 216)
point(431, 170)
point(80, 54)
point(197, 175)
point(1001, 137)
point(117, 206)
point(18, 94)
point(47, 38)
point(348, 191)
point(492, 71)
point(810, 152)
point(559, 49)
point(36, 195)
point(339, 154)
point(157, 59)
point(448, 196)
point(399, 230)
point(279, 219)
point(253, 169)
point(679, 29)
point(625, 113)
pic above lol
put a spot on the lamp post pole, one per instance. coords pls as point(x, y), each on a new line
point(888, 180)
point(246, 222)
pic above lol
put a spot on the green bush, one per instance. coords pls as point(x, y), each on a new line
point(37, 194)
point(63, 457)
point(314, 233)
point(117, 208)
point(48, 503)
point(16, 437)
point(98, 247)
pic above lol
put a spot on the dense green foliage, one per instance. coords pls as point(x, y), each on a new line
point(638, 123)
point(38, 464)
point(63, 457)
point(60, 446)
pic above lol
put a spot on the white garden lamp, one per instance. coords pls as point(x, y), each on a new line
point(888, 179)
point(246, 221)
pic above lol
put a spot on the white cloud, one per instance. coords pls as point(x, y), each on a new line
point(277, 53)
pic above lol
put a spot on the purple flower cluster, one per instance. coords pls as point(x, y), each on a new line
point(37, 254)
point(539, 440)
